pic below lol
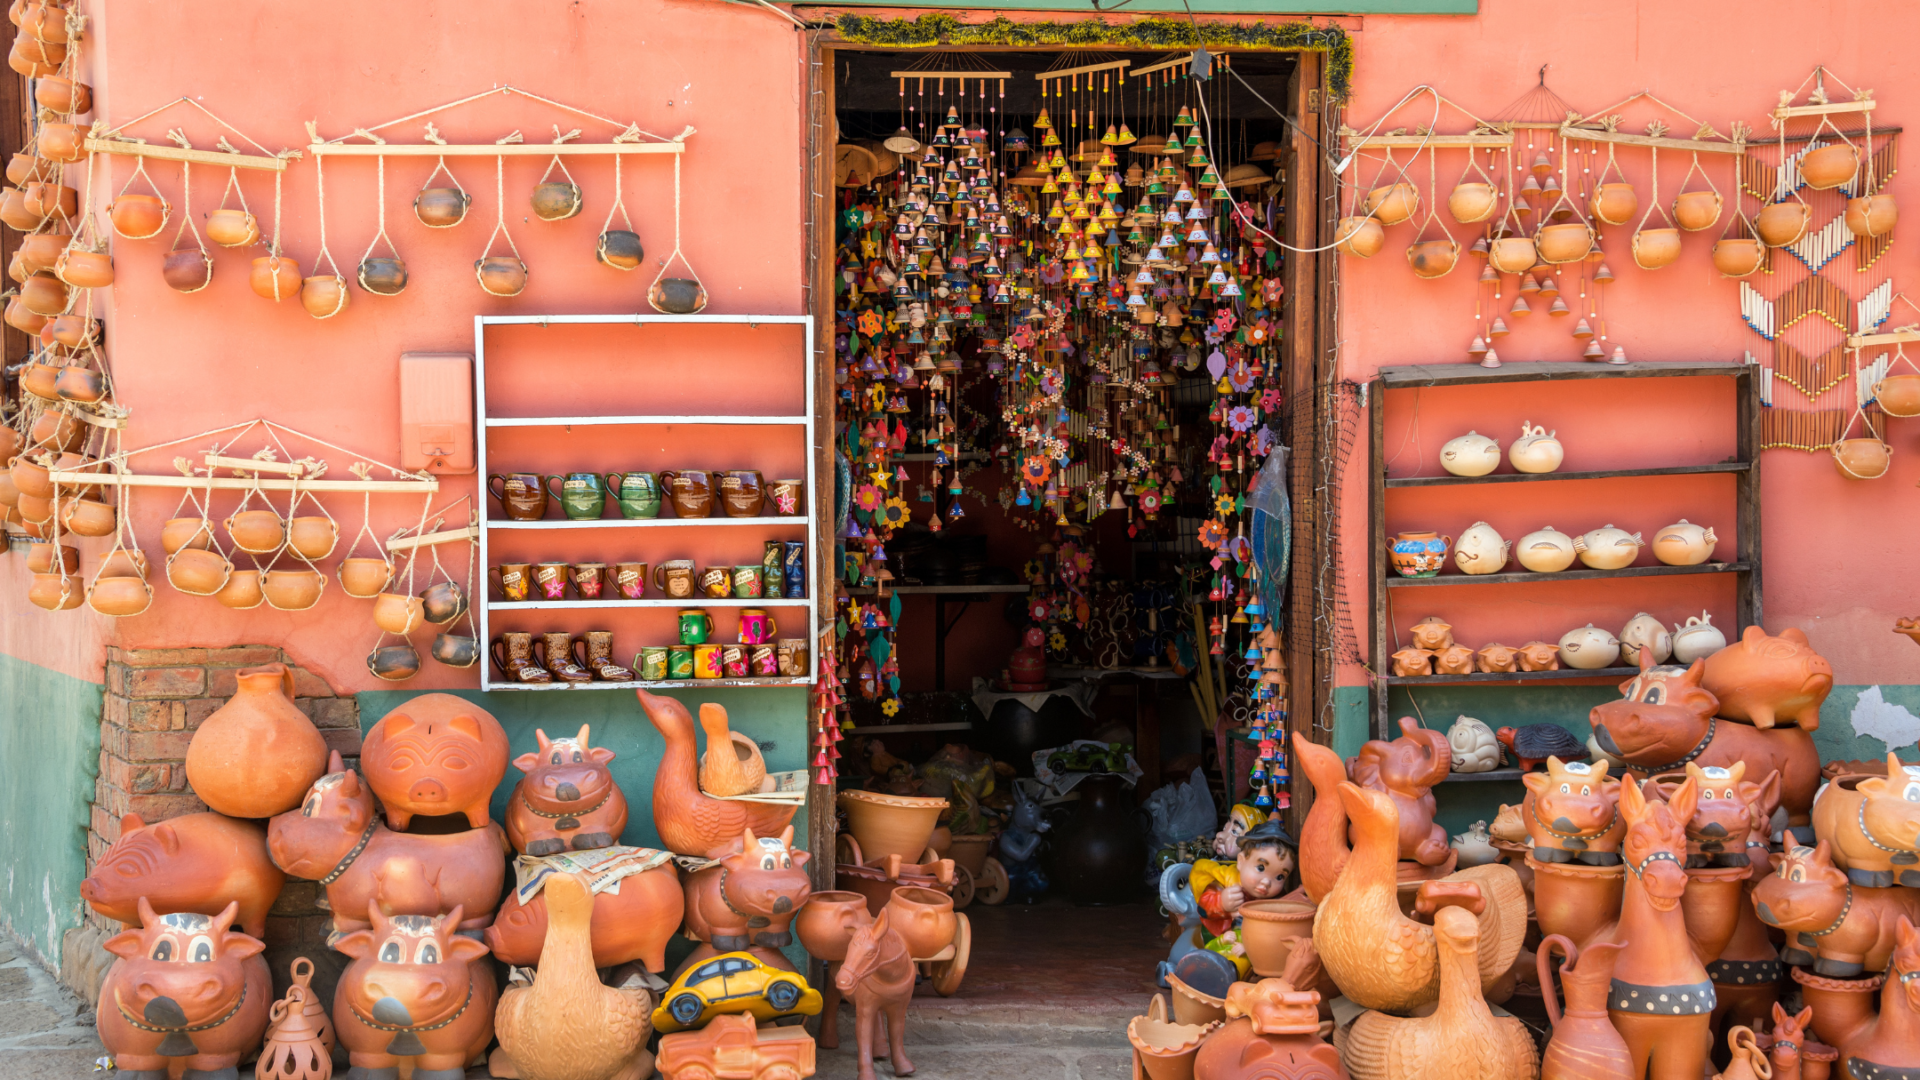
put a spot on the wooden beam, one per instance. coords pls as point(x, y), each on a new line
point(1479, 141)
point(289, 468)
point(159, 152)
point(408, 543)
point(1063, 73)
point(1298, 355)
point(1891, 337)
point(1621, 138)
point(1830, 109)
point(233, 483)
point(490, 149)
point(1161, 66)
point(952, 75)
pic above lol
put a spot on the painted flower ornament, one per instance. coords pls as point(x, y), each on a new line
point(1036, 469)
point(1212, 534)
point(870, 322)
point(893, 513)
point(1240, 418)
point(866, 498)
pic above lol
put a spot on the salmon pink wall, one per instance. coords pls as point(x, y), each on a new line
point(1832, 546)
point(185, 364)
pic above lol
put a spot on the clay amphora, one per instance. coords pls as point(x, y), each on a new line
point(257, 754)
point(1584, 1045)
point(198, 990)
point(195, 862)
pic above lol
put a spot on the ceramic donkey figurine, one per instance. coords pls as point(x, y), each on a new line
point(1019, 847)
point(1660, 1000)
point(878, 974)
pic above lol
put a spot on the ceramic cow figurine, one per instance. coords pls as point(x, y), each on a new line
point(413, 993)
point(188, 992)
point(1873, 823)
point(747, 903)
point(568, 799)
point(1572, 814)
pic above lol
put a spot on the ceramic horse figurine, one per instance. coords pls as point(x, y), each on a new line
point(1660, 1000)
point(1884, 1046)
point(878, 975)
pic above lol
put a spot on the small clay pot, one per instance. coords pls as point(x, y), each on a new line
point(14, 213)
point(1857, 459)
point(293, 590)
point(84, 517)
point(124, 562)
point(33, 509)
point(27, 322)
point(382, 277)
point(1696, 210)
point(49, 591)
point(77, 463)
point(1513, 254)
point(394, 663)
point(44, 294)
point(1269, 928)
point(54, 430)
point(1872, 215)
point(1361, 237)
point(232, 228)
point(21, 58)
point(9, 495)
point(1472, 202)
point(620, 249)
point(23, 167)
point(242, 591)
point(64, 143)
point(1738, 257)
point(313, 537)
point(455, 650)
point(41, 379)
point(1564, 243)
point(274, 277)
point(364, 578)
point(198, 571)
point(258, 531)
point(501, 275)
point(75, 331)
point(441, 208)
point(324, 295)
point(188, 270)
point(139, 217)
point(76, 383)
point(1190, 1006)
point(1430, 258)
point(1656, 248)
point(1822, 168)
point(40, 559)
point(396, 613)
point(677, 296)
point(63, 95)
point(84, 269)
point(48, 199)
point(827, 922)
point(31, 478)
point(180, 533)
point(556, 200)
point(120, 596)
point(41, 251)
point(443, 602)
point(1782, 223)
point(925, 917)
point(1899, 395)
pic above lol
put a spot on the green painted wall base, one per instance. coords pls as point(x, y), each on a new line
point(50, 744)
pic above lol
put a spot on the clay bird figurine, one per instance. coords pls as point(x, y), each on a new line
point(568, 1025)
point(1474, 748)
point(1533, 744)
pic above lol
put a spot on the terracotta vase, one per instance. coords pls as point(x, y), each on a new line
point(138, 217)
point(1584, 1045)
point(274, 278)
point(890, 825)
point(293, 590)
point(1269, 930)
point(257, 754)
point(827, 921)
point(925, 917)
point(1164, 1049)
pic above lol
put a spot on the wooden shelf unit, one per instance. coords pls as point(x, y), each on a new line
point(489, 678)
point(1743, 468)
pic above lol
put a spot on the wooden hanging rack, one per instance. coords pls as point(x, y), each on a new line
point(1891, 337)
point(945, 75)
point(424, 485)
point(220, 158)
point(1478, 140)
point(408, 543)
point(1829, 109)
point(1622, 138)
point(630, 140)
point(1161, 66)
point(1063, 73)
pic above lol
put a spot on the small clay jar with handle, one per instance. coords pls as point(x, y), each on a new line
point(522, 495)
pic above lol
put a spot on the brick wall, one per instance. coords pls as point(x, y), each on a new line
point(155, 700)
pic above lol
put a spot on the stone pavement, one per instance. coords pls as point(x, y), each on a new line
point(46, 1033)
point(960, 1040)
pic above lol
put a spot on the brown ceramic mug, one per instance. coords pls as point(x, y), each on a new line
point(629, 581)
point(716, 582)
point(789, 497)
point(589, 579)
point(675, 579)
point(742, 494)
point(515, 581)
point(522, 495)
point(690, 491)
point(550, 580)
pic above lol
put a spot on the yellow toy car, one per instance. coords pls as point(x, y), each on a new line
point(733, 983)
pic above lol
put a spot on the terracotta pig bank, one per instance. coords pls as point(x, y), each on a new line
point(1572, 813)
point(413, 993)
point(436, 754)
point(189, 995)
point(194, 863)
point(567, 799)
point(748, 900)
point(1873, 823)
point(1840, 930)
point(632, 924)
point(1498, 657)
point(1539, 656)
point(1407, 768)
point(1408, 662)
point(1454, 660)
point(1767, 680)
point(336, 838)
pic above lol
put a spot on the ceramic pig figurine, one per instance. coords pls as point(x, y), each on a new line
point(632, 924)
point(1539, 656)
point(1407, 768)
point(194, 863)
point(1432, 633)
point(413, 993)
point(748, 900)
point(436, 754)
point(1572, 814)
point(1454, 660)
point(1840, 930)
point(188, 994)
point(1413, 662)
point(1765, 680)
point(1873, 823)
point(1498, 657)
point(567, 799)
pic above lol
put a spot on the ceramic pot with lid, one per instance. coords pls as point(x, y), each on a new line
point(1697, 639)
point(1608, 548)
point(1472, 454)
point(1481, 549)
point(1545, 551)
point(1588, 647)
point(1536, 450)
point(1684, 544)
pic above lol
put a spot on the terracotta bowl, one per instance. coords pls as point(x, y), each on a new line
point(925, 917)
point(180, 533)
point(1190, 1006)
point(33, 510)
point(501, 275)
point(1513, 254)
point(1564, 243)
point(887, 825)
point(394, 663)
point(1268, 929)
point(1656, 248)
point(31, 477)
point(455, 650)
point(323, 295)
point(1164, 1049)
point(677, 296)
point(85, 269)
point(443, 602)
point(44, 294)
point(1696, 210)
point(1391, 204)
point(197, 571)
point(1433, 258)
point(84, 517)
point(54, 430)
point(40, 559)
point(139, 217)
point(620, 249)
point(49, 591)
point(876, 885)
point(257, 531)
point(1872, 215)
point(293, 590)
point(1899, 395)
point(556, 200)
point(827, 922)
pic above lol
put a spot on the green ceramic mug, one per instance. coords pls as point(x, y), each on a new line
point(637, 494)
point(652, 663)
point(695, 626)
point(680, 662)
point(581, 495)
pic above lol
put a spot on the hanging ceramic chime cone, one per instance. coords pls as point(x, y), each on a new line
point(1520, 309)
point(902, 142)
point(1479, 347)
point(1498, 328)
point(1581, 331)
point(1559, 308)
point(1593, 351)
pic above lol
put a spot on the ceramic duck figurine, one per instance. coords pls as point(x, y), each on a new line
point(732, 764)
point(691, 823)
point(1461, 1039)
point(1474, 747)
point(568, 1025)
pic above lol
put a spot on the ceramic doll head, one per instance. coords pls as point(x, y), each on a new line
point(1267, 859)
point(1226, 842)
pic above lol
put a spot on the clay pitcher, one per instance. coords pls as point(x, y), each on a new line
point(1584, 1046)
point(257, 755)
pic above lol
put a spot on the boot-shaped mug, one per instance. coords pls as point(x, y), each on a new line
point(554, 651)
point(513, 654)
point(594, 652)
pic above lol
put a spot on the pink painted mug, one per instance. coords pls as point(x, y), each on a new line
point(756, 627)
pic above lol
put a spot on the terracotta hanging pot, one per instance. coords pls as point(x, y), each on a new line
point(14, 212)
point(124, 563)
point(324, 295)
point(455, 650)
point(188, 270)
point(48, 199)
point(18, 317)
point(23, 58)
point(257, 755)
point(75, 331)
point(260, 532)
point(1564, 243)
point(677, 296)
point(1472, 202)
point(441, 208)
point(40, 559)
point(84, 517)
point(274, 277)
point(33, 509)
point(44, 294)
point(9, 495)
point(120, 596)
point(77, 463)
point(84, 269)
point(1696, 210)
point(1615, 203)
point(501, 275)
point(1361, 237)
point(364, 578)
point(1392, 204)
point(41, 379)
point(394, 663)
point(242, 592)
point(313, 537)
point(55, 430)
point(1513, 254)
point(382, 277)
point(232, 228)
point(53, 593)
point(181, 533)
point(1654, 249)
point(198, 571)
point(1899, 395)
point(139, 217)
point(64, 143)
point(25, 166)
point(82, 384)
point(556, 200)
point(443, 602)
point(63, 95)
point(1823, 168)
point(1430, 258)
point(40, 251)
point(1782, 223)
point(396, 613)
point(1737, 257)
point(31, 478)
point(293, 590)
point(1862, 459)
point(1872, 215)
point(10, 444)
point(620, 249)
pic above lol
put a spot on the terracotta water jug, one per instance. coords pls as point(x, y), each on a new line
point(1585, 1045)
point(257, 755)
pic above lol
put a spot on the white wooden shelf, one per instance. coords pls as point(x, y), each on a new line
point(660, 684)
point(612, 421)
point(597, 605)
point(657, 523)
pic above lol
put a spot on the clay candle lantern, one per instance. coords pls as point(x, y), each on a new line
point(257, 754)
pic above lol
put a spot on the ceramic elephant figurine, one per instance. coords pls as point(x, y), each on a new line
point(1176, 896)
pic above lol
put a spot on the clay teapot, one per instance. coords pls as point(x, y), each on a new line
point(1536, 450)
point(1545, 551)
point(1608, 548)
point(257, 755)
point(1643, 631)
point(1588, 648)
point(1480, 549)
point(1472, 454)
point(1684, 543)
point(1697, 639)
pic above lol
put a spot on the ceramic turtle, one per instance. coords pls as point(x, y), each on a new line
point(1533, 744)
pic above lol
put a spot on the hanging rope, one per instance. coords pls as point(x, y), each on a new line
point(653, 290)
point(340, 283)
point(187, 225)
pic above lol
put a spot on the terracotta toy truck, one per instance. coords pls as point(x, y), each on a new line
point(733, 1048)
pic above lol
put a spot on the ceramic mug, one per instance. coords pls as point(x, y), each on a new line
point(521, 495)
point(716, 582)
point(695, 626)
point(763, 661)
point(749, 582)
point(550, 580)
point(680, 662)
point(773, 562)
point(706, 661)
point(637, 494)
point(629, 580)
point(757, 627)
point(652, 663)
point(582, 498)
point(589, 579)
point(792, 657)
point(690, 491)
point(733, 661)
point(742, 493)
point(796, 569)
point(674, 579)
point(788, 496)
point(515, 581)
